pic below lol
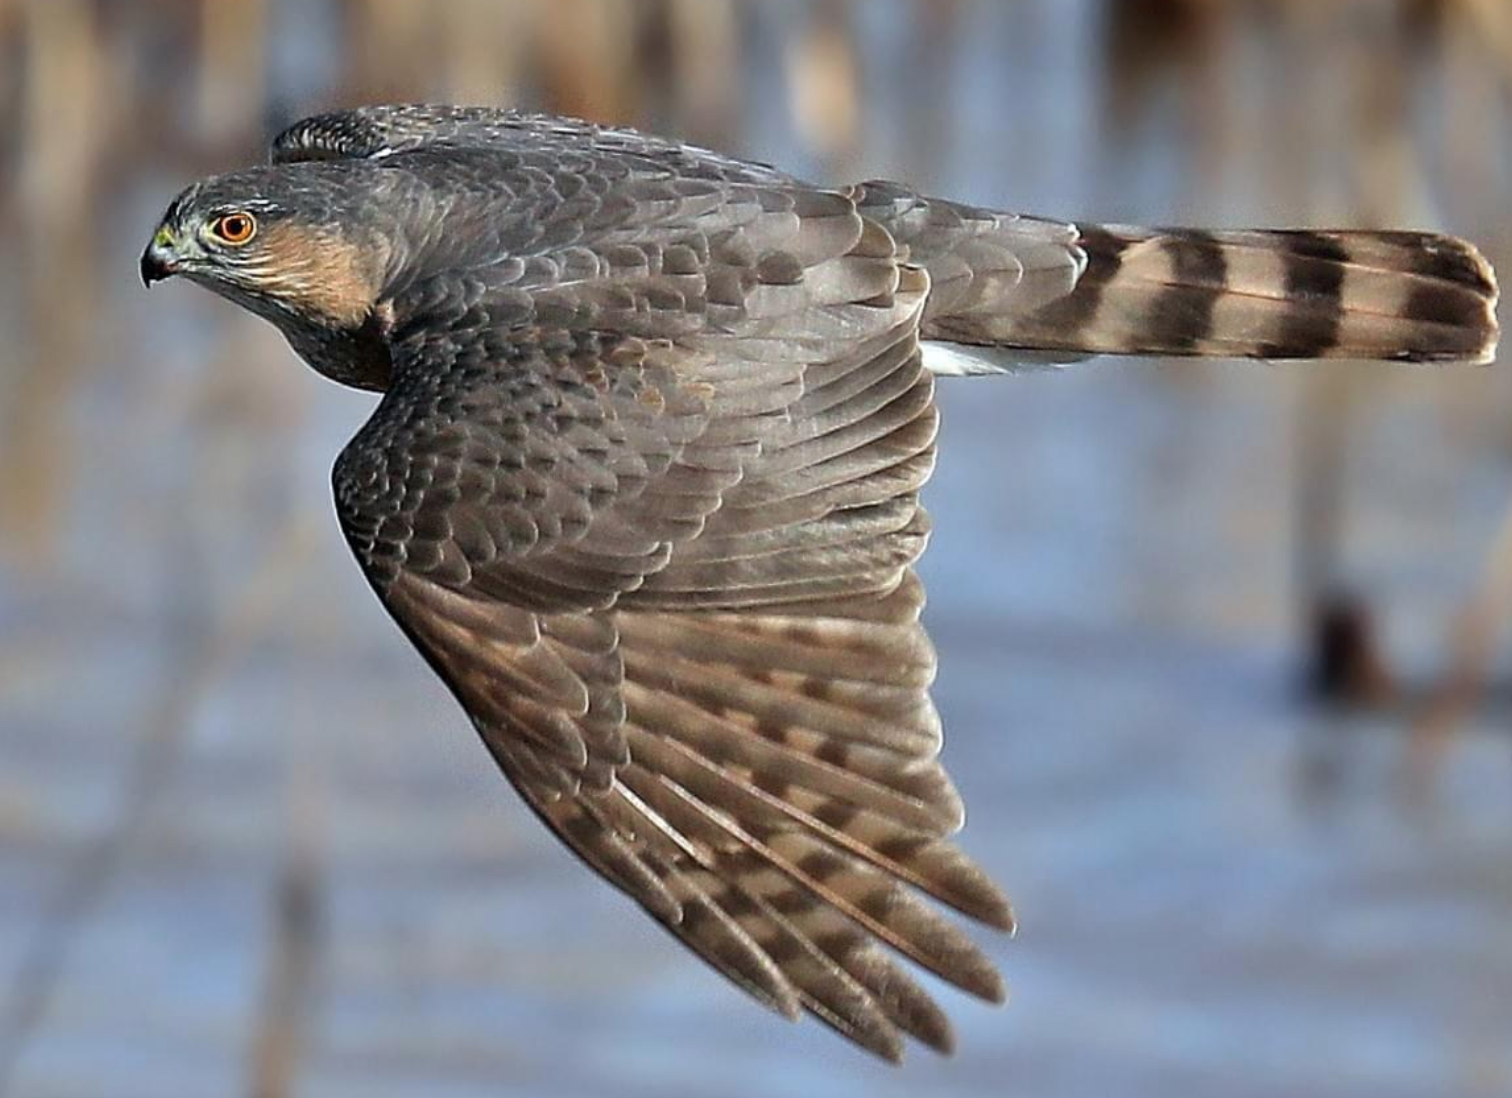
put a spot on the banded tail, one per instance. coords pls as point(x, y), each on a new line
point(1003, 284)
point(1406, 296)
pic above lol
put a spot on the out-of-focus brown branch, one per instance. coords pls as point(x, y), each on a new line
point(233, 43)
point(377, 34)
point(824, 80)
point(703, 38)
point(1493, 20)
point(285, 1016)
point(62, 115)
point(1487, 613)
point(586, 61)
point(482, 42)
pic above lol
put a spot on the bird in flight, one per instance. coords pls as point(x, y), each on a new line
point(643, 484)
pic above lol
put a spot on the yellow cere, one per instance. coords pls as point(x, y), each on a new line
point(163, 238)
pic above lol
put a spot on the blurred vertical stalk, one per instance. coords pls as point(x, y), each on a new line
point(287, 1013)
point(1472, 97)
point(1336, 59)
point(1148, 44)
point(232, 61)
point(704, 39)
point(389, 44)
point(8, 52)
point(480, 44)
point(1389, 184)
point(929, 135)
point(62, 113)
point(587, 59)
point(1472, 651)
point(824, 83)
point(1493, 23)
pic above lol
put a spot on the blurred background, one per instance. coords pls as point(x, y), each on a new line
point(1224, 647)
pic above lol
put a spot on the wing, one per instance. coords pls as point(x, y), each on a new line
point(383, 131)
point(670, 579)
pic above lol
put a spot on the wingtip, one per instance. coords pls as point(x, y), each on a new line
point(995, 990)
point(789, 1007)
point(887, 1046)
point(999, 915)
point(942, 1041)
point(778, 996)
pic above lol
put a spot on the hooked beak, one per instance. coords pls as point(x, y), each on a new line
point(159, 260)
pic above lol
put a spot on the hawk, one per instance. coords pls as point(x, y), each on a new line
point(643, 484)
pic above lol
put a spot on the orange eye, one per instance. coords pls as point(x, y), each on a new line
point(234, 228)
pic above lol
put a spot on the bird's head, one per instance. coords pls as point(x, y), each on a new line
point(282, 241)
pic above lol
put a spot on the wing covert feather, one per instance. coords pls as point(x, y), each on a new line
point(670, 580)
